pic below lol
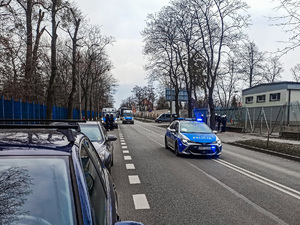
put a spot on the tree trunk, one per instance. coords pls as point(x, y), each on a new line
point(50, 91)
point(74, 71)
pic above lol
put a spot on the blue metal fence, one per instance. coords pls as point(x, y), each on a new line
point(11, 109)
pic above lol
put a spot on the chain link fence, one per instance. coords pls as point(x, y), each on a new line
point(263, 120)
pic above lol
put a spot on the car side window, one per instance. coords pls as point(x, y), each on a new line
point(176, 126)
point(94, 183)
point(172, 126)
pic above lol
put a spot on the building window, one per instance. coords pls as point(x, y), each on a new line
point(275, 97)
point(261, 98)
point(249, 100)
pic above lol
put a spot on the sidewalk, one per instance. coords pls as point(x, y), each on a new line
point(253, 141)
point(230, 137)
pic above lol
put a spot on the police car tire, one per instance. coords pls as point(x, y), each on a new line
point(166, 145)
point(176, 150)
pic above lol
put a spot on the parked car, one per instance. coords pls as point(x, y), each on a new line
point(102, 141)
point(192, 137)
point(165, 117)
point(52, 174)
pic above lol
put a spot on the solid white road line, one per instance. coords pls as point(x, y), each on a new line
point(257, 207)
point(130, 166)
point(126, 152)
point(134, 179)
point(127, 157)
point(273, 184)
point(140, 201)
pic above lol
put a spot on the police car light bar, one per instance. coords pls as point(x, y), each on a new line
point(191, 119)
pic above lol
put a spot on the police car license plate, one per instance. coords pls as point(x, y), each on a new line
point(203, 148)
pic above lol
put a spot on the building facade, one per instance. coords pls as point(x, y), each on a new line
point(281, 97)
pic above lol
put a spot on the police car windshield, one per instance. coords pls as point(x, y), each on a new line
point(127, 114)
point(194, 127)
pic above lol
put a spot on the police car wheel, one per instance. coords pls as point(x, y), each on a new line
point(176, 150)
point(166, 144)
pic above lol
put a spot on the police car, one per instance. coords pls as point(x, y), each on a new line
point(192, 137)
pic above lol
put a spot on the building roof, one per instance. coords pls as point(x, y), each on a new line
point(275, 86)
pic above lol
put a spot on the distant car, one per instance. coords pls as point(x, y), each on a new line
point(95, 131)
point(52, 174)
point(165, 117)
point(192, 137)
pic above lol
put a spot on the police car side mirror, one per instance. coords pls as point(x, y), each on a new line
point(215, 132)
point(172, 130)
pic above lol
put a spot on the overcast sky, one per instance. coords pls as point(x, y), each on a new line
point(125, 19)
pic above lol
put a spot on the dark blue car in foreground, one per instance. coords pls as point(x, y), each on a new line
point(52, 174)
point(192, 137)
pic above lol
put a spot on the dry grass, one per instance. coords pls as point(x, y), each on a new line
point(288, 149)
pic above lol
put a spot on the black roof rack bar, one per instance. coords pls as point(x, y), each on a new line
point(63, 128)
point(44, 120)
point(39, 126)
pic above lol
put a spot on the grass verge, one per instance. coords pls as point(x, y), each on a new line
point(284, 148)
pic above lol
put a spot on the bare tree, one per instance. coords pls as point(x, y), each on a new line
point(251, 63)
point(160, 46)
point(219, 27)
point(54, 7)
point(228, 80)
point(94, 52)
point(290, 22)
point(72, 22)
point(32, 45)
point(273, 69)
point(296, 72)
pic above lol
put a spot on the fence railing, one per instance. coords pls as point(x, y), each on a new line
point(272, 119)
point(11, 109)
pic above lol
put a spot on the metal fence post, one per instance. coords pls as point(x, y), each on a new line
point(2, 101)
point(21, 111)
point(33, 109)
point(12, 108)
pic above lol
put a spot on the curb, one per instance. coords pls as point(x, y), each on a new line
point(291, 157)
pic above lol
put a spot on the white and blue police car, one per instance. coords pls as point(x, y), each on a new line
point(192, 137)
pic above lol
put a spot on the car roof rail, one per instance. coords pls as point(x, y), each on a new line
point(62, 126)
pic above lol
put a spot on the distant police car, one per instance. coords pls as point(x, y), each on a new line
point(192, 137)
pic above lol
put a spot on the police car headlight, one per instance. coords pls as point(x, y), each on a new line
point(185, 141)
point(218, 141)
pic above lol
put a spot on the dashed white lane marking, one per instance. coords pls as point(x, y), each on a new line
point(127, 157)
point(122, 140)
point(124, 147)
point(123, 143)
point(126, 152)
point(134, 179)
point(140, 201)
point(130, 166)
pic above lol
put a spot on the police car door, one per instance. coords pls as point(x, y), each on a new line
point(173, 137)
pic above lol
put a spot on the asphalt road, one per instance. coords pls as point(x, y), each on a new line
point(240, 187)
